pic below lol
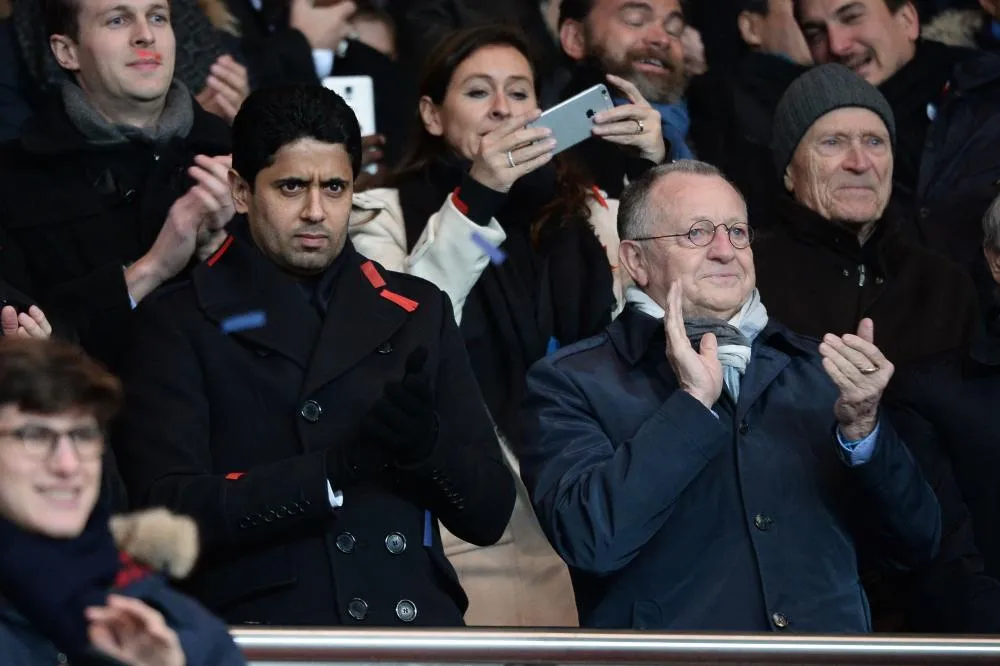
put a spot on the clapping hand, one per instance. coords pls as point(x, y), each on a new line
point(699, 373)
point(861, 373)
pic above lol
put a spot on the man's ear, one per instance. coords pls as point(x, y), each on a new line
point(993, 261)
point(789, 183)
point(909, 19)
point(749, 25)
point(430, 116)
point(64, 50)
point(240, 190)
point(572, 40)
point(632, 258)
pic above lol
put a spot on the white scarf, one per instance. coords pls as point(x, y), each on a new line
point(735, 336)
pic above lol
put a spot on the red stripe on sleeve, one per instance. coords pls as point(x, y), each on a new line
point(368, 268)
point(401, 301)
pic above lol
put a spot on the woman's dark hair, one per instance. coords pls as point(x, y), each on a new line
point(51, 377)
point(423, 148)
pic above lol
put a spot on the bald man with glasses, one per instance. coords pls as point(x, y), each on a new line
point(699, 466)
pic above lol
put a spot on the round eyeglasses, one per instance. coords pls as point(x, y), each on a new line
point(701, 234)
point(40, 442)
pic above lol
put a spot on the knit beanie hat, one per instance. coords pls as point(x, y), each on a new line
point(813, 95)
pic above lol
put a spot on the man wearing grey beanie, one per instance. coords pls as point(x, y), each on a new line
point(836, 255)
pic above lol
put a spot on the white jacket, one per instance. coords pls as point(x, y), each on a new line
point(445, 253)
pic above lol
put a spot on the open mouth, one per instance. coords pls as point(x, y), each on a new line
point(654, 64)
point(66, 498)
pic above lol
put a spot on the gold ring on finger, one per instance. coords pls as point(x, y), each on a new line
point(639, 127)
point(869, 371)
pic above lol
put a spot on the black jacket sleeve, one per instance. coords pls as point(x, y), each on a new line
point(465, 479)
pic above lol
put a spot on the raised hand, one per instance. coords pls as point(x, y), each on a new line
point(30, 324)
point(225, 89)
point(861, 373)
point(635, 125)
point(324, 27)
point(699, 373)
point(528, 148)
point(130, 631)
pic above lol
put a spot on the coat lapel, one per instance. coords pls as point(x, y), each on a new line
point(361, 316)
point(239, 280)
point(766, 364)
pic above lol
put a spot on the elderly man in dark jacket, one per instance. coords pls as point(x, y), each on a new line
point(120, 182)
point(835, 258)
point(701, 467)
point(946, 101)
point(316, 414)
point(837, 252)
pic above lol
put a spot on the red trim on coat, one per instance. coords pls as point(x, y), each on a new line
point(402, 301)
point(235, 476)
point(221, 251)
point(376, 280)
point(129, 570)
point(600, 197)
point(462, 207)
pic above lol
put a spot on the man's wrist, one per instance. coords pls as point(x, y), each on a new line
point(857, 430)
point(142, 277)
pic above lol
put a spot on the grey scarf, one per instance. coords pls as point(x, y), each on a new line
point(175, 120)
point(735, 336)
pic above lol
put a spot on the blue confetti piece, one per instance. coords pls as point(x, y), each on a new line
point(428, 527)
point(496, 255)
point(244, 322)
point(553, 346)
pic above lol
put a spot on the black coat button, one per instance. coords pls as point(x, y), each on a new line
point(744, 428)
point(346, 542)
point(779, 619)
point(357, 608)
point(311, 411)
point(385, 348)
point(395, 543)
point(762, 522)
point(406, 610)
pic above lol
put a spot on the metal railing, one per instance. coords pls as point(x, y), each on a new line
point(506, 646)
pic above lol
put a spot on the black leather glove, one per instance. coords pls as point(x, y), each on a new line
point(403, 420)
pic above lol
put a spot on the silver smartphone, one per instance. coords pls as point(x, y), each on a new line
point(572, 119)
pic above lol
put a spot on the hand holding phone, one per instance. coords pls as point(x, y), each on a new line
point(511, 151)
point(634, 125)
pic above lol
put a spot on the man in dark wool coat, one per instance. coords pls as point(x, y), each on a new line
point(315, 413)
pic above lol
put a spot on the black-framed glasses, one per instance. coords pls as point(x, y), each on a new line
point(40, 442)
point(701, 234)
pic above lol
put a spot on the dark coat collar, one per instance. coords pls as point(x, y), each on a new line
point(637, 336)
point(640, 338)
point(50, 132)
point(360, 315)
point(810, 228)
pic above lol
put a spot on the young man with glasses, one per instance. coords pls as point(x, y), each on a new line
point(699, 466)
point(66, 592)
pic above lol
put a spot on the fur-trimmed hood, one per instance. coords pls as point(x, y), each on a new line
point(159, 539)
point(955, 27)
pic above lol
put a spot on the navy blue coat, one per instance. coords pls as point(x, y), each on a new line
point(203, 637)
point(672, 518)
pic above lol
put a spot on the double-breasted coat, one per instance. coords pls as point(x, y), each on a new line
point(252, 432)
